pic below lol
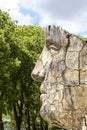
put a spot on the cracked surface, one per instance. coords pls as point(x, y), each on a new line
point(62, 69)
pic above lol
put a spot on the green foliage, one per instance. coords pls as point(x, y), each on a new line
point(28, 44)
point(20, 46)
point(6, 33)
point(83, 38)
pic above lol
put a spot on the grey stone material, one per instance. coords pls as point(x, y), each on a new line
point(62, 69)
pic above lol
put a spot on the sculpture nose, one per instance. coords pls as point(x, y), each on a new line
point(40, 68)
point(38, 76)
point(38, 72)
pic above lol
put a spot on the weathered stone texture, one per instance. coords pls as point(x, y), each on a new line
point(72, 64)
point(62, 69)
point(83, 58)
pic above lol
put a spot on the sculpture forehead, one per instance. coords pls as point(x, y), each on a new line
point(56, 36)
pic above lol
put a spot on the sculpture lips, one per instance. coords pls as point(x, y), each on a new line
point(43, 97)
point(43, 93)
point(43, 89)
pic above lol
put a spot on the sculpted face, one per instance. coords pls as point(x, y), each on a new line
point(62, 69)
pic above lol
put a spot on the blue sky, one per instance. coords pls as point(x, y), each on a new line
point(33, 14)
point(71, 15)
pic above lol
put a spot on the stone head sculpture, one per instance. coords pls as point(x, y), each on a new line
point(62, 69)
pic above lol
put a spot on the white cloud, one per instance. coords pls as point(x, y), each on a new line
point(13, 7)
point(71, 15)
point(5, 4)
point(21, 18)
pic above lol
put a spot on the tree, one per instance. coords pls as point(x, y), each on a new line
point(6, 32)
point(20, 47)
point(28, 41)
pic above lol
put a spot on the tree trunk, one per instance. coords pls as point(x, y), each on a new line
point(46, 126)
point(18, 116)
point(41, 124)
point(33, 123)
point(18, 123)
point(1, 123)
point(27, 118)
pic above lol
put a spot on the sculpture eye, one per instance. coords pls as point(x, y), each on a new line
point(53, 50)
point(53, 47)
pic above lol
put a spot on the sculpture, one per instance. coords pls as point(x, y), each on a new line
point(62, 69)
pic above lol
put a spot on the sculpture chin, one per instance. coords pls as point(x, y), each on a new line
point(48, 113)
point(45, 113)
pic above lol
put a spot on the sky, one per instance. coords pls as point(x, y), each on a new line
point(71, 15)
